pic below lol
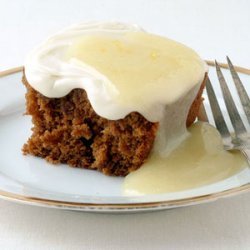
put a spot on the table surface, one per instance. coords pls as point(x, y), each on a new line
point(215, 29)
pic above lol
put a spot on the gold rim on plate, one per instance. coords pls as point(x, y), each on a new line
point(124, 206)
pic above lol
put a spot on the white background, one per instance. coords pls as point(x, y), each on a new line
point(214, 29)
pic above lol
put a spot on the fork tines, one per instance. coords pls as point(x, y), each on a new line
point(238, 125)
point(234, 115)
point(245, 101)
point(216, 111)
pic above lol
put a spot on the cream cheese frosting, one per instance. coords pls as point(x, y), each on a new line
point(49, 72)
point(123, 69)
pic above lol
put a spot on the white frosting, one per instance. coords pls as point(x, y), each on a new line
point(50, 73)
point(54, 75)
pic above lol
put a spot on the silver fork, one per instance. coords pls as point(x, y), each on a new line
point(240, 139)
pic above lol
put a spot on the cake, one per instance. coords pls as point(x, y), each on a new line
point(104, 95)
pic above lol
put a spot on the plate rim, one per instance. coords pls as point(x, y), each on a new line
point(123, 206)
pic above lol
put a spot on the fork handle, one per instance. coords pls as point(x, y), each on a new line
point(246, 153)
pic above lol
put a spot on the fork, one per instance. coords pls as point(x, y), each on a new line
point(240, 139)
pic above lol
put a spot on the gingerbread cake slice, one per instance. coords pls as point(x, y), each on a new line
point(103, 96)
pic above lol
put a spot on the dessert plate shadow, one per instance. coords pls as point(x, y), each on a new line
point(33, 181)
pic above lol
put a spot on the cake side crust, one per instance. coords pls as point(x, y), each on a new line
point(67, 130)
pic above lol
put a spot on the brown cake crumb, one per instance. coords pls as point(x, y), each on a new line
point(67, 130)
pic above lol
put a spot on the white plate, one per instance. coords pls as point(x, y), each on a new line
point(31, 180)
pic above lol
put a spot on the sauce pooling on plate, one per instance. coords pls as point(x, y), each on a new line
point(199, 160)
